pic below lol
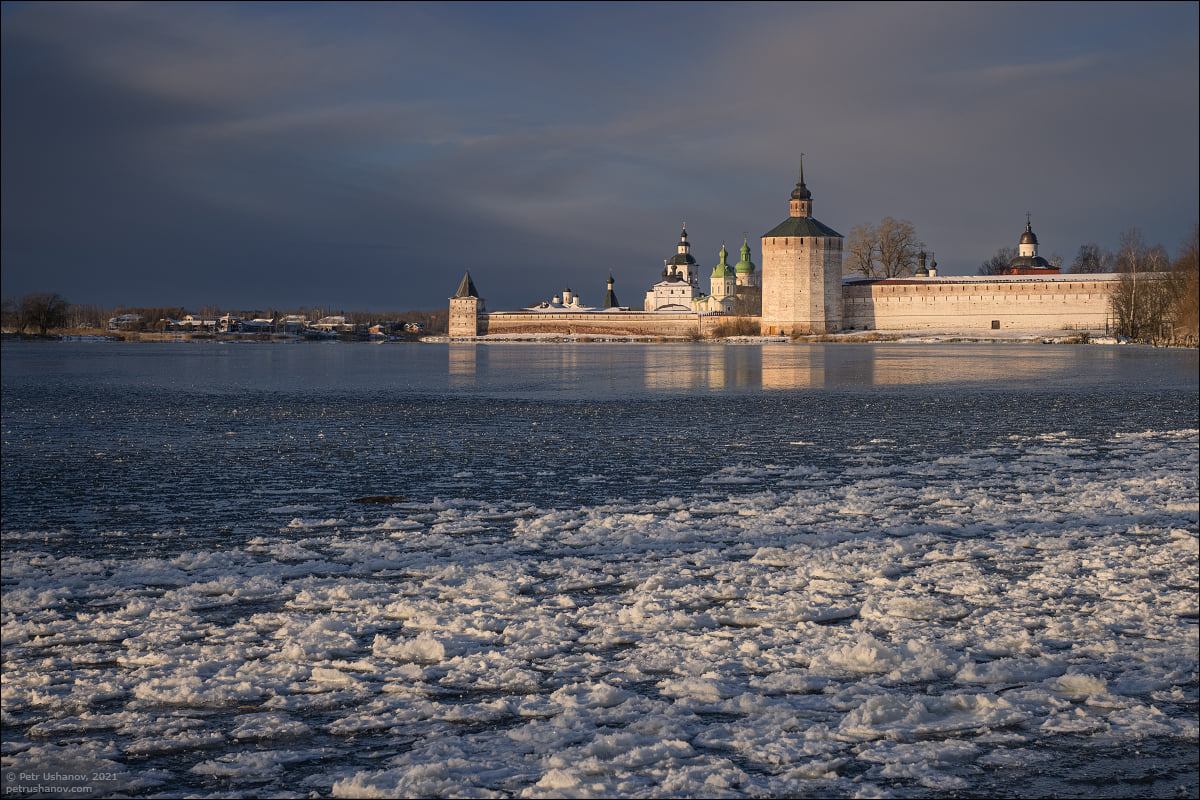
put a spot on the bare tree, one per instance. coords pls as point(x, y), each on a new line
point(1156, 259)
point(85, 315)
point(861, 247)
point(1142, 300)
point(886, 250)
point(999, 263)
point(898, 247)
point(10, 314)
point(1131, 253)
point(1185, 291)
point(43, 310)
point(1092, 258)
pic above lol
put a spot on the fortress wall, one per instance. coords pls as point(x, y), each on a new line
point(599, 323)
point(1009, 305)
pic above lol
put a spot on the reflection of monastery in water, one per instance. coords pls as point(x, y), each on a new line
point(801, 290)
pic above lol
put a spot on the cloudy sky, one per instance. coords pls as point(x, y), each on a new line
point(362, 156)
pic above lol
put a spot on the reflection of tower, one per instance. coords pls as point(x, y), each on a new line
point(465, 308)
point(801, 271)
point(461, 364)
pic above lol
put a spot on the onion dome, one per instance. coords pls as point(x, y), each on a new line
point(1028, 237)
point(610, 297)
point(922, 270)
point(683, 255)
point(722, 269)
point(745, 266)
point(1027, 257)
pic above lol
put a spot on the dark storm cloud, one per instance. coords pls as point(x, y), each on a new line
point(363, 156)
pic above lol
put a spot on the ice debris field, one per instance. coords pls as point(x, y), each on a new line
point(971, 625)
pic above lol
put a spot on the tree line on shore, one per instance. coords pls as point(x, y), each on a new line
point(42, 312)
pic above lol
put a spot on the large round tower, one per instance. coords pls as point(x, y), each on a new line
point(801, 271)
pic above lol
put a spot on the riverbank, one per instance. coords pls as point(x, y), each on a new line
point(847, 337)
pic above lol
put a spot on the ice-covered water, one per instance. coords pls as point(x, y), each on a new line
point(599, 570)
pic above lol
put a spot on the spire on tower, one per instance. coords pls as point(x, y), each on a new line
point(801, 202)
point(801, 191)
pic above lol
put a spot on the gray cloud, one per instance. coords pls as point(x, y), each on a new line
point(363, 156)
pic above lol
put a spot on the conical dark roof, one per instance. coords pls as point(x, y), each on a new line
point(467, 287)
point(610, 297)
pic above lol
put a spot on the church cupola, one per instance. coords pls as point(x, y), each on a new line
point(1029, 243)
point(723, 281)
point(722, 269)
point(745, 266)
point(682, 265)
point(610, 297)
point(1028, 262)
point(801, 205)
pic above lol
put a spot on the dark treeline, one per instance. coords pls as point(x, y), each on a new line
point(42, 312)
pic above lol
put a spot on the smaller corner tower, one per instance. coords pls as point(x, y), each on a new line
point(465, 307)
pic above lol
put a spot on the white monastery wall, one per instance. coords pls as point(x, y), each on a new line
point(599, 323)
point(1050, 302)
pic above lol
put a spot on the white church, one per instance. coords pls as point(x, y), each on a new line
point(732, 289)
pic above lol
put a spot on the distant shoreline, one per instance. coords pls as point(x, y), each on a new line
point(850, 337)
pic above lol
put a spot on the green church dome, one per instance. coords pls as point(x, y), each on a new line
point(722, 269)
point(745, 266)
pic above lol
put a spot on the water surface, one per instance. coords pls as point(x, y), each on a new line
point(601, 570)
